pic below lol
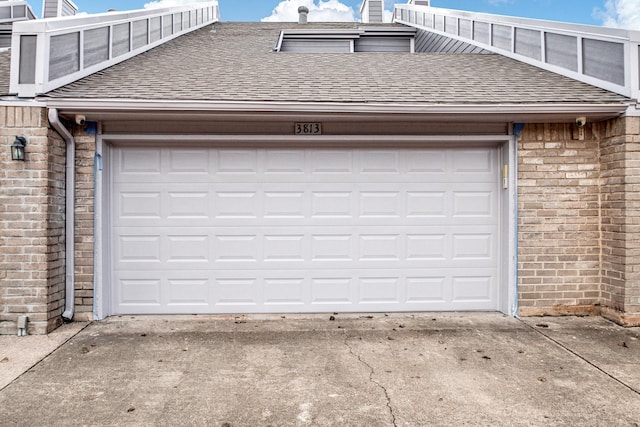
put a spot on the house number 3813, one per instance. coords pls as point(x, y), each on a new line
point(308, 129)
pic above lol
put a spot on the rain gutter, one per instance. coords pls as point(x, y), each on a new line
point(86, 106)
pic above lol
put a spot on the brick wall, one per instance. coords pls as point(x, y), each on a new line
point(620, 164)
point(85, 150)
point(579, 221)
point(31, 223)
point(559, 220)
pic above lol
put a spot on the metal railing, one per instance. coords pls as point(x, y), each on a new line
point(49, 53)
point(608, 58)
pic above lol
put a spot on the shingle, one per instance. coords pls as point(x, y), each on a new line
point(236, 62)
point(5, 67)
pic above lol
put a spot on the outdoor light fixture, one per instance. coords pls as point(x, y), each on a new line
point(17, 148)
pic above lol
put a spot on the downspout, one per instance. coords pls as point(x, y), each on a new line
point(69, 304)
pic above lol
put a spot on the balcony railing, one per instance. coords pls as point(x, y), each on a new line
point(608, 58)
point(50, 53)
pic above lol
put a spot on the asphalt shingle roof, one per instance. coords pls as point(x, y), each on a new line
point(236, 62)
point(5, 68)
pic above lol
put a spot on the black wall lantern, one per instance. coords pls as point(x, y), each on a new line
point(17, 148)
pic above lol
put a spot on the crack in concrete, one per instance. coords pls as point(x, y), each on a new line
point(372, 380)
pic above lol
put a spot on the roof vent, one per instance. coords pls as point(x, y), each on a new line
point(303, 11)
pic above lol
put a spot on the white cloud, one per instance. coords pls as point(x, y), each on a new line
point(320, 11)
point(169, 3)
point(619, 13)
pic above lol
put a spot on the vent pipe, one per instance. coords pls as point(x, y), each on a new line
point(303, 11)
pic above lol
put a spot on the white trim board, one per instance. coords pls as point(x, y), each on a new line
point(508, 258)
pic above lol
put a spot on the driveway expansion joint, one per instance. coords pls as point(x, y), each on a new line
point(44, 356)
point(584, 359)
point(372, 380)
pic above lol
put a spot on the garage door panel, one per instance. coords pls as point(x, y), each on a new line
point(473, 204)
point(237, 248)
point(331, 162)
point(383, 289)
point(217, 230)
point(473, 246)
point(472, 288)
point(303, 291)
point(237, 292)
point(333, 291)
point(188, 204)
point(432, 163)
point(136, 289)
point(188, 249)
point(244, 207)
point(135, 248)
point(278, 247)
point(428, 290)
point(289, 291)
point(321, 165)
point(236, 162)
point(476, 162)
point(190, 163)
point(278, 204)
point(190, 292)
point(140, 162)
point(139, 204)
point(289, 162)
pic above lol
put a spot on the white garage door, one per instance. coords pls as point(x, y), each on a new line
point(224, 230)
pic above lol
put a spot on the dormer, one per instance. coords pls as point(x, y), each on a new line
point(364, 39)
point(12, 11)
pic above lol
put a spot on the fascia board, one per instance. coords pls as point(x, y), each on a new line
point(17, 102)
point(569, 110)
point(321, 32)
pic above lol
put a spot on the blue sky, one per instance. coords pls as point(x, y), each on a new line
point(625, 13)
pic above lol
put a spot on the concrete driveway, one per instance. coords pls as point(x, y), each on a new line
point(356, 370)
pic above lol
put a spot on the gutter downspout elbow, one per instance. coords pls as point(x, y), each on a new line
point(69, 305)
